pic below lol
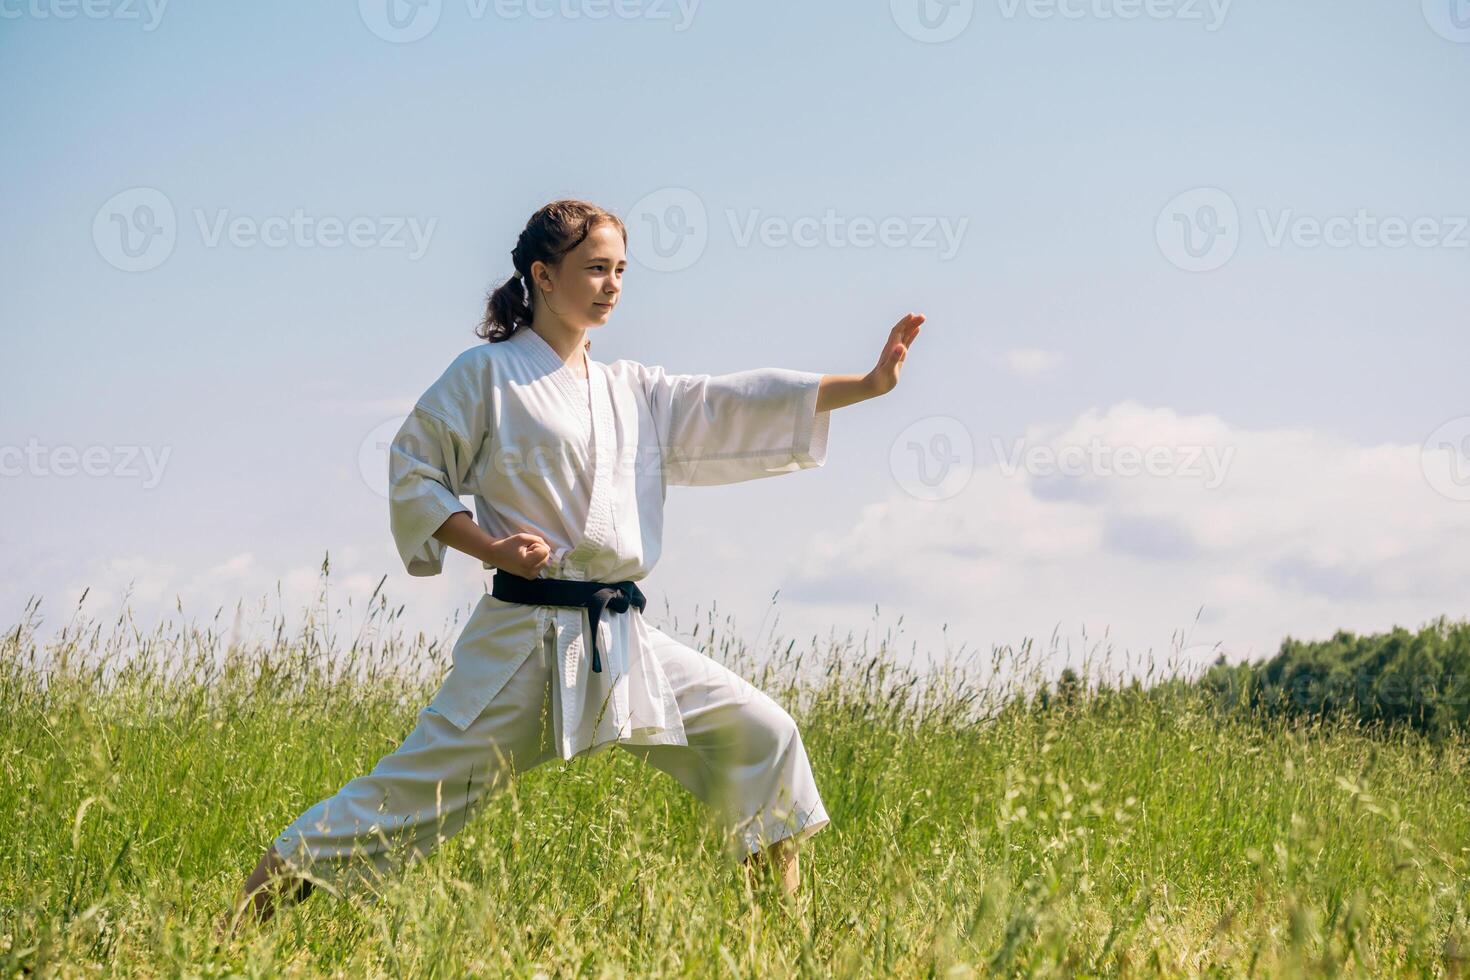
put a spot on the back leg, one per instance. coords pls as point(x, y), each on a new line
point(415, 798)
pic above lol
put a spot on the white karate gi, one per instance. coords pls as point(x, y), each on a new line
point(585, 464)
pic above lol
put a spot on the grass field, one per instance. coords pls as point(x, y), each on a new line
point(1130, 833)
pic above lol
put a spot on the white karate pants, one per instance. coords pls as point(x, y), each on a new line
point(745, 759)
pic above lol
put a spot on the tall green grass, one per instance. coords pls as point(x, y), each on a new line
point(1137, 832)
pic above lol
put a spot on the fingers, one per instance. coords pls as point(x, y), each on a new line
point(907, 327)
point(526, 539)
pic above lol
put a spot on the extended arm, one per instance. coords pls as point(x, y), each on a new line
point(716, 429)
point(841, 390)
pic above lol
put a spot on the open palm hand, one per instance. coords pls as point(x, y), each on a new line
point(884, 377)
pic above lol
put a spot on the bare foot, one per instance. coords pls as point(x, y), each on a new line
point(272, 878)
point(225, 928)
point(781, 859)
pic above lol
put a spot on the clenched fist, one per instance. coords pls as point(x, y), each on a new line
point(522, 554)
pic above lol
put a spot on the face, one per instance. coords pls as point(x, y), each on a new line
point(587, 283)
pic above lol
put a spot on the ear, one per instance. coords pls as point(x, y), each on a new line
point(541, 274)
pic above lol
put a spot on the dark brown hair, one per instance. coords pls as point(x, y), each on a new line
point(551, 233)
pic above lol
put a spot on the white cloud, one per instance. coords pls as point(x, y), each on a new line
point(1303, 533)
point(1029, 361)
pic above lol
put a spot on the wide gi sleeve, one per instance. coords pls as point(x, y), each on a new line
point(727, 428)
point(433, 460)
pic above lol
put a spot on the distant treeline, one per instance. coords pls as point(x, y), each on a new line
point(1396, 678)
point(1399, 678)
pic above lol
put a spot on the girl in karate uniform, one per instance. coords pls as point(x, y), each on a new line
point(568, 461)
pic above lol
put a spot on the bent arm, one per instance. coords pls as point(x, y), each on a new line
point(461, 533)
point(434, 458)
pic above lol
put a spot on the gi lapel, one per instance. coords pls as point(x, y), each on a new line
point(598, 535)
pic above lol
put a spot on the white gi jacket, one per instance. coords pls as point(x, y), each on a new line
point(585, 465)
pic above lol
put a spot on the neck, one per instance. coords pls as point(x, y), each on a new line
point(567, 341)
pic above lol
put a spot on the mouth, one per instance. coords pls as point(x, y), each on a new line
point(605, 306)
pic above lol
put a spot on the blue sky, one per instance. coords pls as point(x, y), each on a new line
point(1075, 151)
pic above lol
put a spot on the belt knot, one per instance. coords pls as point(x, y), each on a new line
point(595, 597)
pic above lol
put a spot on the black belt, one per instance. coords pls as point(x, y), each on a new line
point(592, 596)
